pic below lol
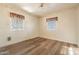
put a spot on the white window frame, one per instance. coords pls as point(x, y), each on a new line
point(51, 24)
point(14, 29)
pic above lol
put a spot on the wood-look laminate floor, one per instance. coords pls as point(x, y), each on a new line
point(38, 46)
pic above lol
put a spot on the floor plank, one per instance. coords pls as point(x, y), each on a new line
point(38, 46)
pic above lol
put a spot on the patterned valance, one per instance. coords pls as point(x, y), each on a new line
point(14, 15)
point(52, 19)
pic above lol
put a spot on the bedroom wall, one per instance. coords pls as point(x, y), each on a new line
point(30, 25)
point(78, 26)
point(66, 27)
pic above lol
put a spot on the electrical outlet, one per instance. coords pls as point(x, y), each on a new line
point(9, 38)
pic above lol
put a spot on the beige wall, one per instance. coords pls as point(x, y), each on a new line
point(78, 26)
point(66, 29)
point(30, 26)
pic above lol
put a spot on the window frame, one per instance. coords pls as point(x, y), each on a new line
point(15, 21)
point(51, 27)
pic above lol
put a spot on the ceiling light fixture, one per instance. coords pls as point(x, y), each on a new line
point(42, 5)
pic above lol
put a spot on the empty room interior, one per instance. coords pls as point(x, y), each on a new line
point(39, 29)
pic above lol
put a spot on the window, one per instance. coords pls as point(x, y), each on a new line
point(51, 22)
point(17, 21)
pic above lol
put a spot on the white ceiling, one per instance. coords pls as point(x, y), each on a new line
point(35, 8)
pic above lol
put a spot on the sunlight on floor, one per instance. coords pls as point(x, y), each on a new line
point(70, 50)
